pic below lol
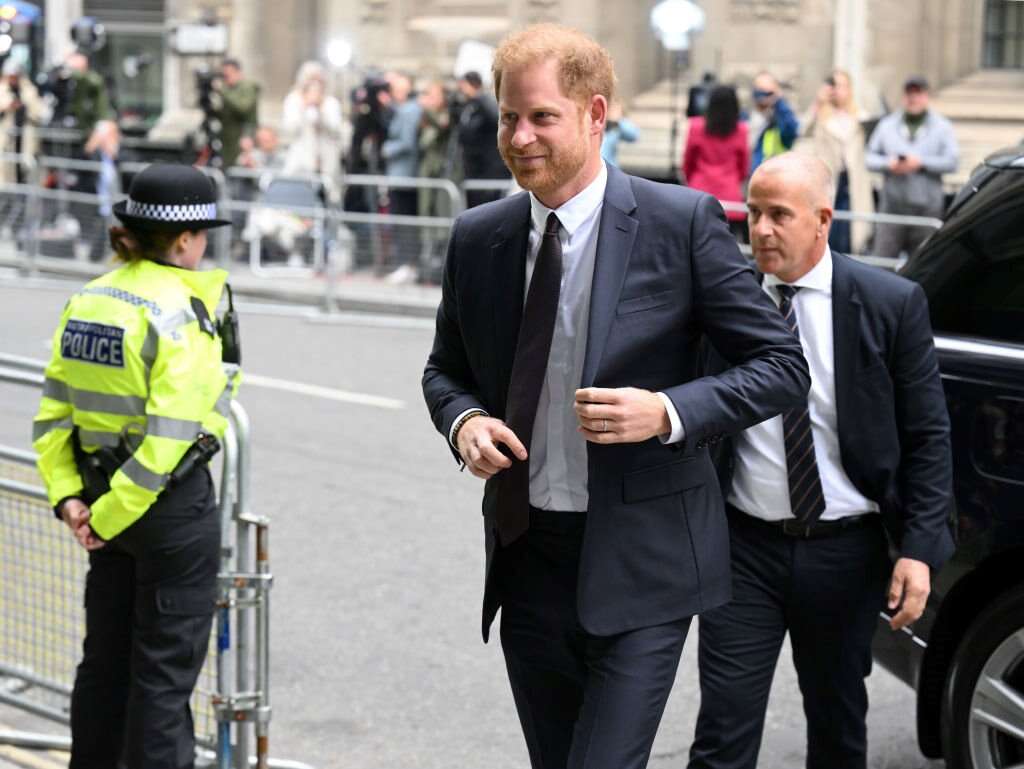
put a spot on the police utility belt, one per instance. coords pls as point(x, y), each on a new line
point(98, 467)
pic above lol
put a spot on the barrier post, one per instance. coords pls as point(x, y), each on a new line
point(42, 570)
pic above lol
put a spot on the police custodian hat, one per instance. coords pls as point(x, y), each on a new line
point(171, 198)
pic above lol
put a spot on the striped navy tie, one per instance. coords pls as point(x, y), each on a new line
point(805, 493)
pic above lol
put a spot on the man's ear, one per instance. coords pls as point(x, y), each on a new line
point(598, 112)
point(181, 242)
point(824, 219)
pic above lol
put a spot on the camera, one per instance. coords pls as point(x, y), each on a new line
point(206, 85)
point(206, 91)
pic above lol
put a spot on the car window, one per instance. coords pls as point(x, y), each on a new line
point(997, 446)
point(974, 276)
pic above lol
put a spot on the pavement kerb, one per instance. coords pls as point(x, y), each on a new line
point(348, 295)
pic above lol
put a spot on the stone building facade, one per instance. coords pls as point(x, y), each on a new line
point(879, 41)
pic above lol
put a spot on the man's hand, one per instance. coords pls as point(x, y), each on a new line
point(908, 591)
point(908, 164)
point(620, 415)
point(477, 442)
point(912, 164)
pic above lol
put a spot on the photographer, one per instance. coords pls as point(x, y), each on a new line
point(89, 101)
point(21, 111)
point(238, 112)
point(311, 126)
point(478, 131)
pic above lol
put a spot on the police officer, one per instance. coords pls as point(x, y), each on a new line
point(135, 397)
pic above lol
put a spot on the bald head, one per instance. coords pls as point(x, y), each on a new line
point(804, 172)
point(789, 201)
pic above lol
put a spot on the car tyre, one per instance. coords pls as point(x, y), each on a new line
point(983, 700)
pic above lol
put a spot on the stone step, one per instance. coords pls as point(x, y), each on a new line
point(1009, 111)
point(993, 78)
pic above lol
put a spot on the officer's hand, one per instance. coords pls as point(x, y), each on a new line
point(910, 586)
point(74, 512)
point(620, 414)
point(478, 441)
point(87, 537)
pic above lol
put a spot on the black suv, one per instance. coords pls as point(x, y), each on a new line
point(965, 656)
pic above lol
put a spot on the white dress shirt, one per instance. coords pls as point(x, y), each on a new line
point(760, 485)
point(558, 451)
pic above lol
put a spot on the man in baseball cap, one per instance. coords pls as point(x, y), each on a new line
point(912, 148)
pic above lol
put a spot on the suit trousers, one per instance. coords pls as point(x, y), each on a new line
point(149, 601)
point(827, 594)
point(405, 243)
point(584, 701)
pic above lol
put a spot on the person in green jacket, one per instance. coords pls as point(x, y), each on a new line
point(135, 398)
point(90, 101)
point(239, 110)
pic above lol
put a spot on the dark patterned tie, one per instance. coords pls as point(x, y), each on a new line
point(529, 368)
point(805, 493)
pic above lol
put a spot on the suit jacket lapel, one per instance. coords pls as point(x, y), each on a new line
point(508, 271)
point(846, 311)
point(615, 238)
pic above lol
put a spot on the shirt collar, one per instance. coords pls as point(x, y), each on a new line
point(818, 278)
point(575, 211)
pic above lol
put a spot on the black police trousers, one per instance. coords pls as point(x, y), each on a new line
point(149, 603)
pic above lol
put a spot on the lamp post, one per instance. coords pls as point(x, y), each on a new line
point(673, 23)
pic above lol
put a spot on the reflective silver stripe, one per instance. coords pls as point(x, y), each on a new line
point(149, 348)
point(223, 404)
point(99, 438)
point(123, 405)
point(56, 390)
point(169, 427)
point(87, 400)
point(173, 322)
point(43, 426)
point(142, 476)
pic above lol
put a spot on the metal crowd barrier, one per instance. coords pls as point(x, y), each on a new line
point(856, 216)
point(42, 570)
point(286, 225)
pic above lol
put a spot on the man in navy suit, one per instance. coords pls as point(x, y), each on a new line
point(563, 372)
point(812, 494)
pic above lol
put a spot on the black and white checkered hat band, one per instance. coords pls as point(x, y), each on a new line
point(198, 212)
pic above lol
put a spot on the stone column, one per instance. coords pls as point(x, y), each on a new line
point(60, 15)
point(850, 48)
point(849, 42)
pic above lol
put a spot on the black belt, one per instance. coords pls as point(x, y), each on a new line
point(790, 527)
point(558, 521)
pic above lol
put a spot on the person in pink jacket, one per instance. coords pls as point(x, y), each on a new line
point(717, 154)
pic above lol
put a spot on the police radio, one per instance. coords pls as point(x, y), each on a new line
point(227, 328)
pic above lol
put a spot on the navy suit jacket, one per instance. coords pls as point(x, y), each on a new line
point(894, 434)
point(667, 272)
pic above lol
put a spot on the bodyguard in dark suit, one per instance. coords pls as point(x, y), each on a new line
point(812, 494)
point(563, 372)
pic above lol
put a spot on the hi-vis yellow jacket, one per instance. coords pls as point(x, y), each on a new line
point(133, 356)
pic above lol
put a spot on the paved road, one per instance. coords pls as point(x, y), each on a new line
point(377, 552)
